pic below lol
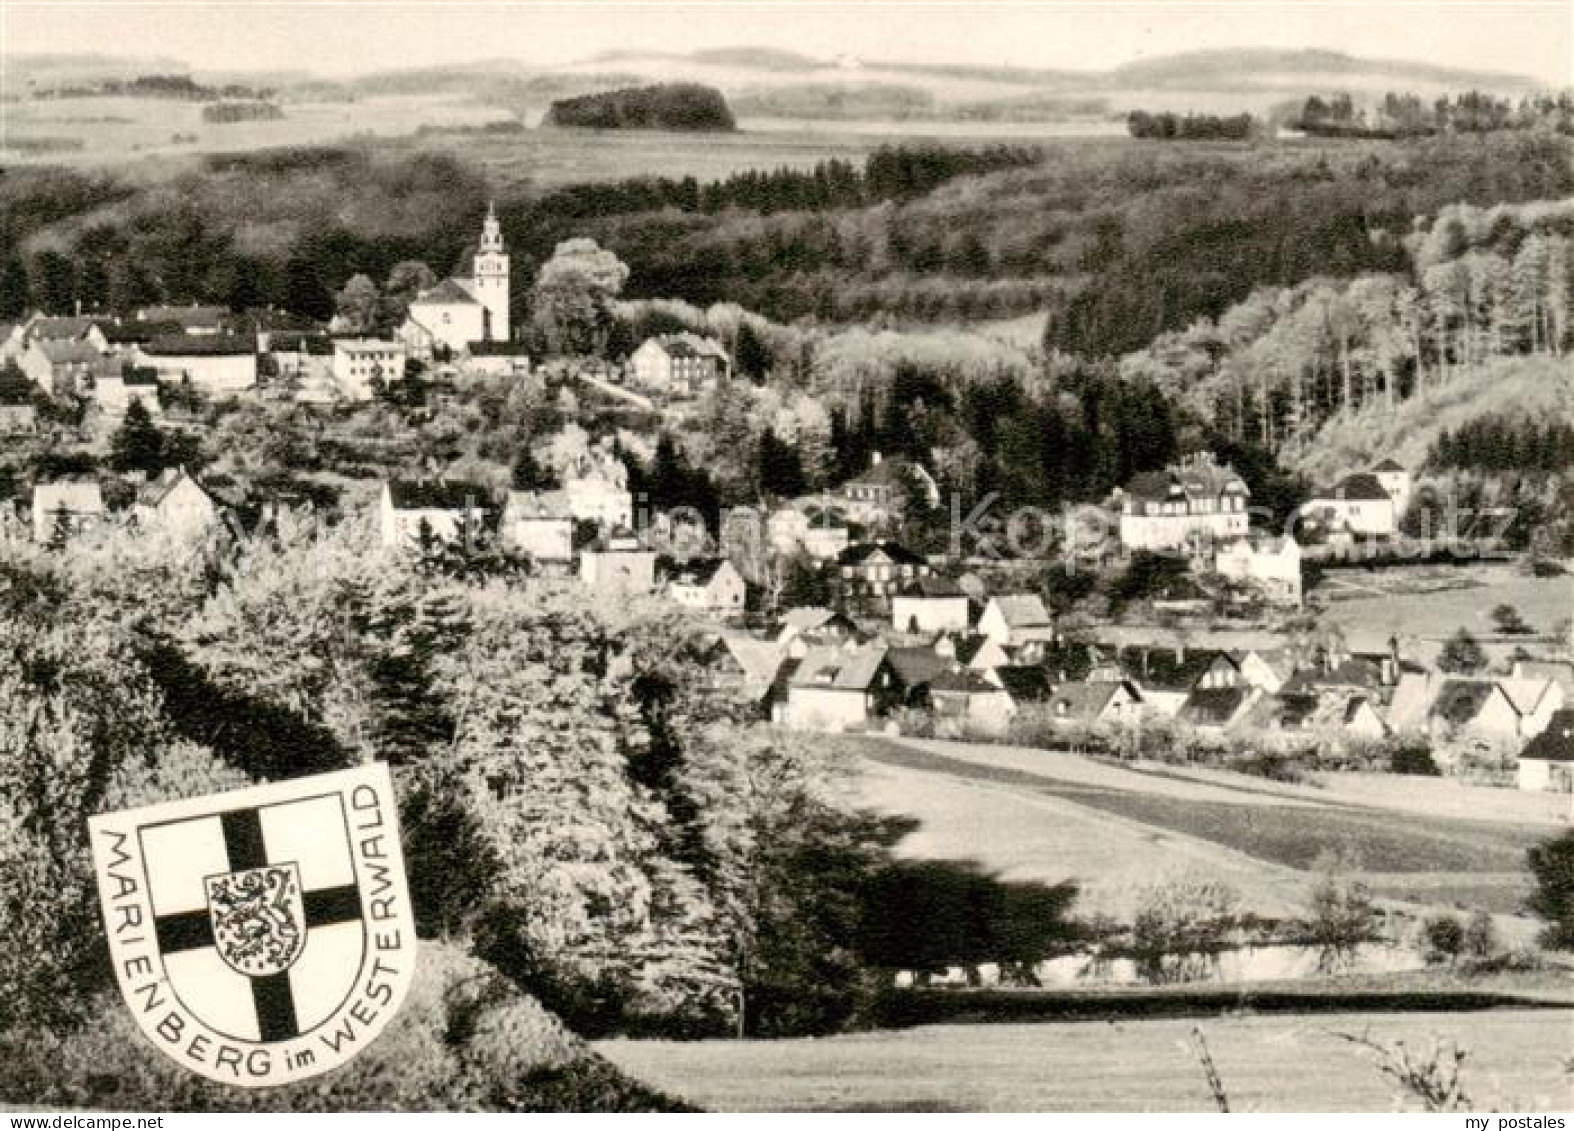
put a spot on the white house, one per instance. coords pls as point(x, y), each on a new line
point(715, 587)
point(437, 508)
point(929, 604)
point(359, 362)
point(1172, 509)
point(678, 364)
point(1358, 505)
point(116, 387)
point(1271, 565)
point(61, 366)
point(219, 364)
point(532, 525)
point(69, 506)
point(1016, 619)
point(459, 311)
point(175, 506)
point(1547, 761)
point(840, 688)
point(1398, 482)
point(618, 566)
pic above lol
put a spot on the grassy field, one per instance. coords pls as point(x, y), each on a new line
point(152, 132)
point(1054, 816)
point(1426, 604)
point(1278, 1063)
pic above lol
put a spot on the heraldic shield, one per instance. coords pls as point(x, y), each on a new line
point(264, 935)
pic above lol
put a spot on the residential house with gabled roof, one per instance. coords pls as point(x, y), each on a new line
point(1271, 566)
point(66, 507)
point(811, 625)
point(1013, 620)
point(538, 524)
point(118, 384)
point(753, 665)
point(881, 493)
point(1167, 677)
point(965, 698)
point(1263, 668)
point(916, 667)
point(677, 365)
point(1398, 482)
point(1536, 700)
point(1025, 684)
point(446, 510)
point(1217, 708)
point(1547, 761)
point(1195, 500)
point(61, 366)
point(1089, 703)
point(1475, 706)
point(173, 505)
point(841, 689)
point(929, 604)
point(711, 585)
point(871, 573)
point(1356, 506)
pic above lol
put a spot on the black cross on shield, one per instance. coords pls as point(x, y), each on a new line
point(258, 914)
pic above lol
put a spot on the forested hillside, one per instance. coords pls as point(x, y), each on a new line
point(1478, 289)
point(1119, 241)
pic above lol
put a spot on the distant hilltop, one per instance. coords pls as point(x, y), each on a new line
point(665, 106)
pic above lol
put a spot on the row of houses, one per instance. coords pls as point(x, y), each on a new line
point(171, 504)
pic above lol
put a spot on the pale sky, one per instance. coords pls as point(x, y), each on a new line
point(336, 37)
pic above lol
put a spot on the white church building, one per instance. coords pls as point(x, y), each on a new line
point(457, 312)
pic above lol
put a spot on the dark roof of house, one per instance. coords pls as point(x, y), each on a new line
point(448, 291)
point(698, 572)
point(917, 666)
point(1353, 671)
point(689, 346)
point(54, 329)
point(120, 333)
point(887, 473)
point(296, 341)
point(1213, 705)
point(140, 375)
point(1197, 478)
point(1460, 700)
point(845, 669)
point(935, 587)
point(157, 489)
point(1556, 743)
point(201, 345)
point(1025, 683)
point(859, 553)
point(1163, 669)
point(1389, 464)
point(1083, 701)
point(1360, 487)
point(66, 351)
point(961, 681)
point(437, 494)
point(498, 349)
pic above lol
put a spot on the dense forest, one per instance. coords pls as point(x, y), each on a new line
point(666, 106)
point(1409, 115)
point(1119, 243)
point(1189, 127)
point(1473, 285)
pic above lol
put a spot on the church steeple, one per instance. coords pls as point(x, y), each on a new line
point(491, 276)
point(491, 231)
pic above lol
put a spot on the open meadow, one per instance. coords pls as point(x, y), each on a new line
point(1055, 816)
point(1267, 1063)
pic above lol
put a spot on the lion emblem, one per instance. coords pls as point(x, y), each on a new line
point(259, 921)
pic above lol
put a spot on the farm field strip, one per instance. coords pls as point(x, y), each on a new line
point(1281, 831)
point(1268, 1063)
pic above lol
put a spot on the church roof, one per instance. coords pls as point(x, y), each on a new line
point(449, 291)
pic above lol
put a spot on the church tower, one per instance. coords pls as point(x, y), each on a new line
point(491, 278)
